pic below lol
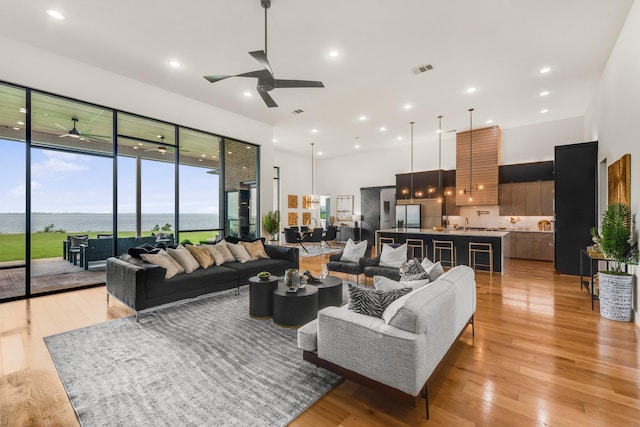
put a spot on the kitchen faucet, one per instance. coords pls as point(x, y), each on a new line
point(466, 222)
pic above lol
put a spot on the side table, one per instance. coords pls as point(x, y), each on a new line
point(294, 308)
point(329, 292)
point(261, 296)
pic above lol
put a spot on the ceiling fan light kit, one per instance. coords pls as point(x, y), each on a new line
point(266, 79)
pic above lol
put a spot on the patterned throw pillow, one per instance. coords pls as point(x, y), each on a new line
point(413, 270)
point(255, 249)
point(372, 302)
point(202, 255)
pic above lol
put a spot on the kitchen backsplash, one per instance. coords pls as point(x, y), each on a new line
point(488, 217)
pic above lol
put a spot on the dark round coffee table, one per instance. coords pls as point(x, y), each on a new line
point(294, 308)
point(329, 292)
point(261, 296)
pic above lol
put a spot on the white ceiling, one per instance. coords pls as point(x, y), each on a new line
point(496, 46)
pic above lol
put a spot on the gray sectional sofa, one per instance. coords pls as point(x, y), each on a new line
point(399, 352)
point(142, 285)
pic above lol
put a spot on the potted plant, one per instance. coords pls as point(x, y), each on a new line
point(618, 244)
point(271, 223)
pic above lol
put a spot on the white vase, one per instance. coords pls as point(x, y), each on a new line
point(616, 295)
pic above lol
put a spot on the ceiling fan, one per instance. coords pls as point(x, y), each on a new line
point(266, 80)
point(162, 148)
point(75, 133)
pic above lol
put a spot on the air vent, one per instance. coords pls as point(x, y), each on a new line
point(423, 68)
point(451, 131)
point(298, 111)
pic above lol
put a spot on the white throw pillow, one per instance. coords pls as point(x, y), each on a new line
point(393, 257)
point(434, 271)
point(184, 258)
point(163, 259)
point(239, 252)
point(224, 252)
point(353, 252)
point(382, 283)
point(426, 262)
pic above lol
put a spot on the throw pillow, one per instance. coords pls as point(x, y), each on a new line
point(136, 251)
point(353, 252)
point(434, 271)
point(164, 260)
point(239, 252)
point(412, 270)
point(76, 241)
point(255, 249)
point(426, 262)
point(382, 283)
point(202, 255)
point(224, 251)
point(184, 258)
point(393, 257)
point(372, 302)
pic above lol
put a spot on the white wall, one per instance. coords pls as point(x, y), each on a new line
point(612, 117)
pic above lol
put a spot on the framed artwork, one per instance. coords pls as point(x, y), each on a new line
point(619, 180)
point(292, 218)
point(292, 201)
point(306, 218)
point(344, 210)
point(306, 202)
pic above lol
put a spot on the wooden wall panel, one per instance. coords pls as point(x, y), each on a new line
point(619, 182)
point(484, 167)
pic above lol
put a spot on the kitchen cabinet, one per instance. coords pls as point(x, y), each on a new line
point(450, 202)
point(532, 245)
point(526, 198)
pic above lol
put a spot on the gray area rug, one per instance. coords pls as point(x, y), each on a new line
point(205, 362)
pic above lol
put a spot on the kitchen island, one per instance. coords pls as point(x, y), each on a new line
point(500, 243)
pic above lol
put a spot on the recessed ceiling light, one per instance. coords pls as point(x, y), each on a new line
point(399, 138)
point(175, 63)
point(471, 90)
point(229, 152)
point(199, 160)
point(135, 147)
point(314, 130)
point(247, 93)
point(320, 153)
point(545, 70)
point(383, 129)
point(55, 14)
point(544, 93)
point(438, 131)
point(489, 121)
point(23, 110)
point(158, 136)
point(140, 143)
point(408, 106)
point(21, 123)
point(213, 157)
point(16, 128)
point(356, 146)
point(203, 155)
point(363, 118)
point(544, 110)
point(274, 140)
point(248, 147)
point(333, 53)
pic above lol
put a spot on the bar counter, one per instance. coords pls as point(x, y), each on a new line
point(499, 240)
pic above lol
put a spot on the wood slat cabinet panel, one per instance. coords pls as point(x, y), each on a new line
point(504, 199)
point(526, 198)
point(478, 155)
point(547, 189)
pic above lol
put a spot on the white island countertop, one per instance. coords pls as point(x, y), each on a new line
point(447, 231)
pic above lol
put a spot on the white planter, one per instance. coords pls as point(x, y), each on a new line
point(616, 294)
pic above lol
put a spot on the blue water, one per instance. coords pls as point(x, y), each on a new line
point(75, 222)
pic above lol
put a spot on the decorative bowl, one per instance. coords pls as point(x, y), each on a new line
point(264, 275)
point(438, 228)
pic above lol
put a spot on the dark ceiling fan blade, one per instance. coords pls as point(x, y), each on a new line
point(267, 99)
point(261, 57)
point(297, 83)
point(214, 79)
point(259, 74)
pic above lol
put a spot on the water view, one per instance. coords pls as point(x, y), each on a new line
point(78, 222)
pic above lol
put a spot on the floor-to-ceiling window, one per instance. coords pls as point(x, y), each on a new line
point(12, 191)
point(199, 178)
point(240, 182)
point(80, 182)
point(70, 189)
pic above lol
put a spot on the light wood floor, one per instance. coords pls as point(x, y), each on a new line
point(540, 357)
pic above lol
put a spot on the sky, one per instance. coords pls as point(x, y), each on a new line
point(67, 182)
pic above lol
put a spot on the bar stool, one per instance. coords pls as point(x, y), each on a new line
point(480, 248)
point(447, 246)
point(413, 245)
point(382, 240)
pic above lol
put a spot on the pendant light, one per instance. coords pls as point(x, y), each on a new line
point(411, 174)
point(440, 189)
point(314, 199)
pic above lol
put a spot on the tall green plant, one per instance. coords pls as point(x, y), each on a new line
point(617, 240)
point(271, 223)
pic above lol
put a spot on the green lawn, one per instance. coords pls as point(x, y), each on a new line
point(49, 245)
